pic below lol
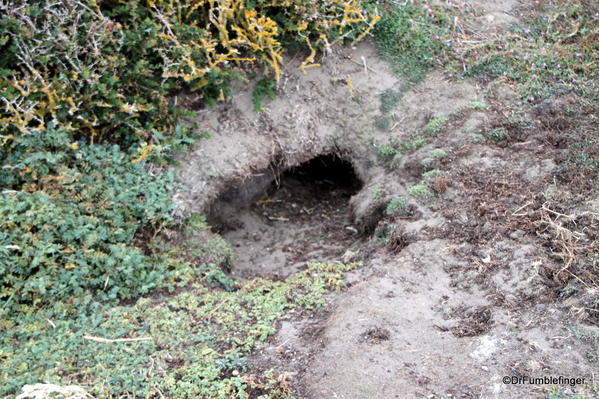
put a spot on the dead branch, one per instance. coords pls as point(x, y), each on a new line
point(108, 341)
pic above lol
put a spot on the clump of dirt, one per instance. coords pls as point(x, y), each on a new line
point(301, 215)
point(375, 335)
point(475, 322)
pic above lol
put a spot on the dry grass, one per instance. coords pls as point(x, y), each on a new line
point(572, 239)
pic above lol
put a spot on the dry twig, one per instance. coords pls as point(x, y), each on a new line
point(108, 341)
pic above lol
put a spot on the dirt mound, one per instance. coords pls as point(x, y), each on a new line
point(455, 293)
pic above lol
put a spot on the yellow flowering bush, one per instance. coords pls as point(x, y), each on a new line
point(104, 69)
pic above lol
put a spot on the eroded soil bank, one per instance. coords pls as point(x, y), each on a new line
point(455, 292)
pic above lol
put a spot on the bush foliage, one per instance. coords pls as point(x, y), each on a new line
point(69, 227)
point(86, 89)
point(103, 68)
point(195, 347)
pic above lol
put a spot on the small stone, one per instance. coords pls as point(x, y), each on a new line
point(488, 227)
point(348, 256)
point(534, 365)
point(516, 235)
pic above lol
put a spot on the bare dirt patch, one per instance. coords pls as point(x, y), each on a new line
point(458, 289)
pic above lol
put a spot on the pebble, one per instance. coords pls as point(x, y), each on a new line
point(517, 235)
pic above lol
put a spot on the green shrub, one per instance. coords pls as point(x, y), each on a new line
point(72, 226)
point(430, 176)
point(378, 193)
point(382, 123)
point(438, 153)
point(384, 231)
point(214, 276)
point(477, 105)
point(265, 88)
point(478, 138)
point(396, 205)
point(420, 191)
point(497, 135)
point(413, 144)
point(386, 151)
point(196, 340)
point(435, 125)
point(426, 162)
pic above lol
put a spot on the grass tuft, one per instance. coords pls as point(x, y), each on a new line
point(409, 36)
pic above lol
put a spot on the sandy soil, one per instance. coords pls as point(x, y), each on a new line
point(456, 298)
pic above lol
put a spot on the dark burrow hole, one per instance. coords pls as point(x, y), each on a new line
point(325, 173)
point(278, 223)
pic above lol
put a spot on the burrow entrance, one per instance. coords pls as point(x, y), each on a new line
point(278, 222)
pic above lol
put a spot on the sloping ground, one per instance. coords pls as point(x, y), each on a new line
point(313, 114)
point(458, 287)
